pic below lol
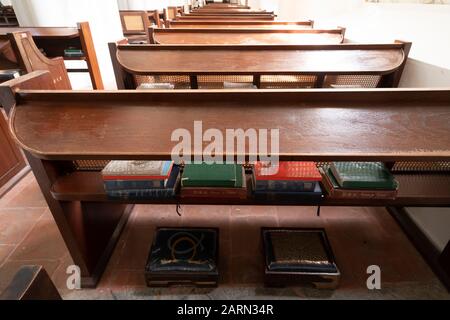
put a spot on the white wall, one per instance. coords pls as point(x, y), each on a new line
point(427, 26)
point(142, 4)
point(103, 18)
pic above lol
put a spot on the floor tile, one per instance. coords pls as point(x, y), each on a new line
point(5, 251)
point(136, 249)
point(43, 242)
point(29, 196)
point(299, 217)
point(16, 223)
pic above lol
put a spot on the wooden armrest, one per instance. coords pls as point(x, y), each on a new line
point(31, 283)
point(34, 81)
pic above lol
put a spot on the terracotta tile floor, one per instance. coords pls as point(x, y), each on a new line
point(359, 237)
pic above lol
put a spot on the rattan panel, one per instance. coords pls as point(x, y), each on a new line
point(216, 81)
point(286, 82)
point(410, 166)
point(180, 82)
point(90, 165)
point(133, 23)
point(351, 81)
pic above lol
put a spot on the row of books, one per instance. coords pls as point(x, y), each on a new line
point(163, 179)
point(284, 180)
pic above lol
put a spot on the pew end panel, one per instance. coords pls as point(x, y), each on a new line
point(55, 40)
point(31, 59)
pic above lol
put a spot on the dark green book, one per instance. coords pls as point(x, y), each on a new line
point(212, 175)
point(363, 175)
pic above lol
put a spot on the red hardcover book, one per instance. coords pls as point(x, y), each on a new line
point(288, 170)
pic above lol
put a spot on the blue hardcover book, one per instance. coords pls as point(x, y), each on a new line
point(168, 192)
point(133, 184)
point(315, 195)
point(285, 185)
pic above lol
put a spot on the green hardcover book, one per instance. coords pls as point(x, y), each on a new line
point(240, 174)
point(363, 175)
point(212, 175)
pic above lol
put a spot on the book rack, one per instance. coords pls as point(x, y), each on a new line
point(57, 128)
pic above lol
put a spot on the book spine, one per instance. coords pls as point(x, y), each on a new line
point(364, 194)
point(369, 185)
point(285, 185)
point(207, 183)
point(289, 196)
point(338, 193)
point(135, 178)
point(327, 185)
point(141, 194)
point(133, 184)
point(211, 193)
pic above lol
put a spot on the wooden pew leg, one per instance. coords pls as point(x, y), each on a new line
point(96, 228)
point(90, 229)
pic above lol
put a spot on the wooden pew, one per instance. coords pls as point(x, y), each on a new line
point(245, 36)
point(8, 17)
point(370, 128)
point(53, 40)
point(30, 58)
point(229, 12)
point(267, 67)
point(135, 25)
point(218, 5)
point(222, 6)
point(243, 17)
point(171, 13)
point(241, 24)
point(225, 10)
